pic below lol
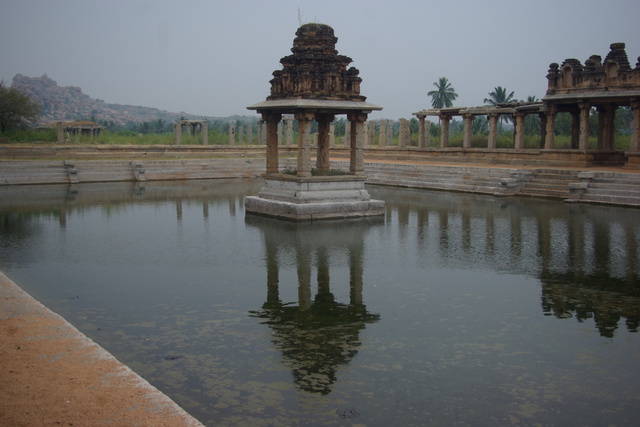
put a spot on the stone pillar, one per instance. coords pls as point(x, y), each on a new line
point(177, 130)
point(389, 139)
point(634, 145)
point(240, 134)
point(583, 143)
point(357, 120)
point(288, 130)
point(492, 143)
point(304, 119)
point(366, 133)
point(280, 140)
point(260, 131)
point(468, 130)
point(372, 132)
point(347, 134)
point(550, 128)
point(445, 121)
point(543, 129)
point(204, 129)
point(422, 133)
point(232, 135)
point(324, 128)
point(332, 135)
point(249, 132)
point(403, 140)
point(519, 130)
point(382, 136)
point(272, 121)
point(606, 117)
point(575, 129)
point(59, 132)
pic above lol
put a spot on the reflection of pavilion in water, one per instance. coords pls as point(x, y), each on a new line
point(587, 260)
point(319, 334)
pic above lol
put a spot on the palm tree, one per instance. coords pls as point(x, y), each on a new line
point(444, 95)
point(499, 96)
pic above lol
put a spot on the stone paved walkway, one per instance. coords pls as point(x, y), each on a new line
point(52, 374)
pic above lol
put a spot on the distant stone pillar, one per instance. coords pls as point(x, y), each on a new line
point(332, 134)
point(583, 143)
point(280, 140)
point(288, 130)
point(372, 132)
point(519, 131)
point(232, 135)
point(249, 132)
point(260, 131)
point(356, 164)
point(389, 132)
point(272, 121)
point(240, 134)
point(60, 132)
point(403, 140)
point(493, 131)
point(324, 127)
point(382, 136)
point(468, 130)
point(550, 129)
point(634, 145)
point(304, 119)
point(177, 130)
point(445, 121)
point(422, 134)
point(347, 134)
point(204, 129)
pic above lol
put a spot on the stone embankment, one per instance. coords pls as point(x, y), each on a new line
point(588, 185)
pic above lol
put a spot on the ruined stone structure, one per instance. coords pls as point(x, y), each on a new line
point(191, 127)
point(573, 88)
point(315, 84)
point(576, 88)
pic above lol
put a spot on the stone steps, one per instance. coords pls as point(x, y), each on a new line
point(57, 172)
point(447, 178)
point(549, 184)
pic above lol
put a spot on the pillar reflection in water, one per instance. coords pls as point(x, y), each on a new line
point(318, 334)
point(587, 258)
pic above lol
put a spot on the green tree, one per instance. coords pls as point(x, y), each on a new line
point(532, 121)
point(499, 96)
point(444, 95)
point(17, 111)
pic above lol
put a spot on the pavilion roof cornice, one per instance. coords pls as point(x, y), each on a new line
point(322, 105)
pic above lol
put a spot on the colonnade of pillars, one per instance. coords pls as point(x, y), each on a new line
point(547, 113)
point(191, 127)
point(357, 141)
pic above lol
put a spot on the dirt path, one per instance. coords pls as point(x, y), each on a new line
point(52, 374)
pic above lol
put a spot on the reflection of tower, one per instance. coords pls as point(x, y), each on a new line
point(319, 334)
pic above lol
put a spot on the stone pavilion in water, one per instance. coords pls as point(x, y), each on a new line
point(315, 84)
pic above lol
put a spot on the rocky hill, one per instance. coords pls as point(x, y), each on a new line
point(70, 104)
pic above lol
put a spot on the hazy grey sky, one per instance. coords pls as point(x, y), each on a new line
point(215, 58)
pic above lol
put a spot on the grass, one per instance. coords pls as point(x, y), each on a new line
point(505, 140)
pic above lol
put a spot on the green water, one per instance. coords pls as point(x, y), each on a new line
point(451, 310)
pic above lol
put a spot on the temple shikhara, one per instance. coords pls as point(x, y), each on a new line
point(315, 84)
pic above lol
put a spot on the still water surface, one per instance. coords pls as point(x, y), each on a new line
point(453, 309)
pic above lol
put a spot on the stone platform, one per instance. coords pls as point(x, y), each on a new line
point(311, 198)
